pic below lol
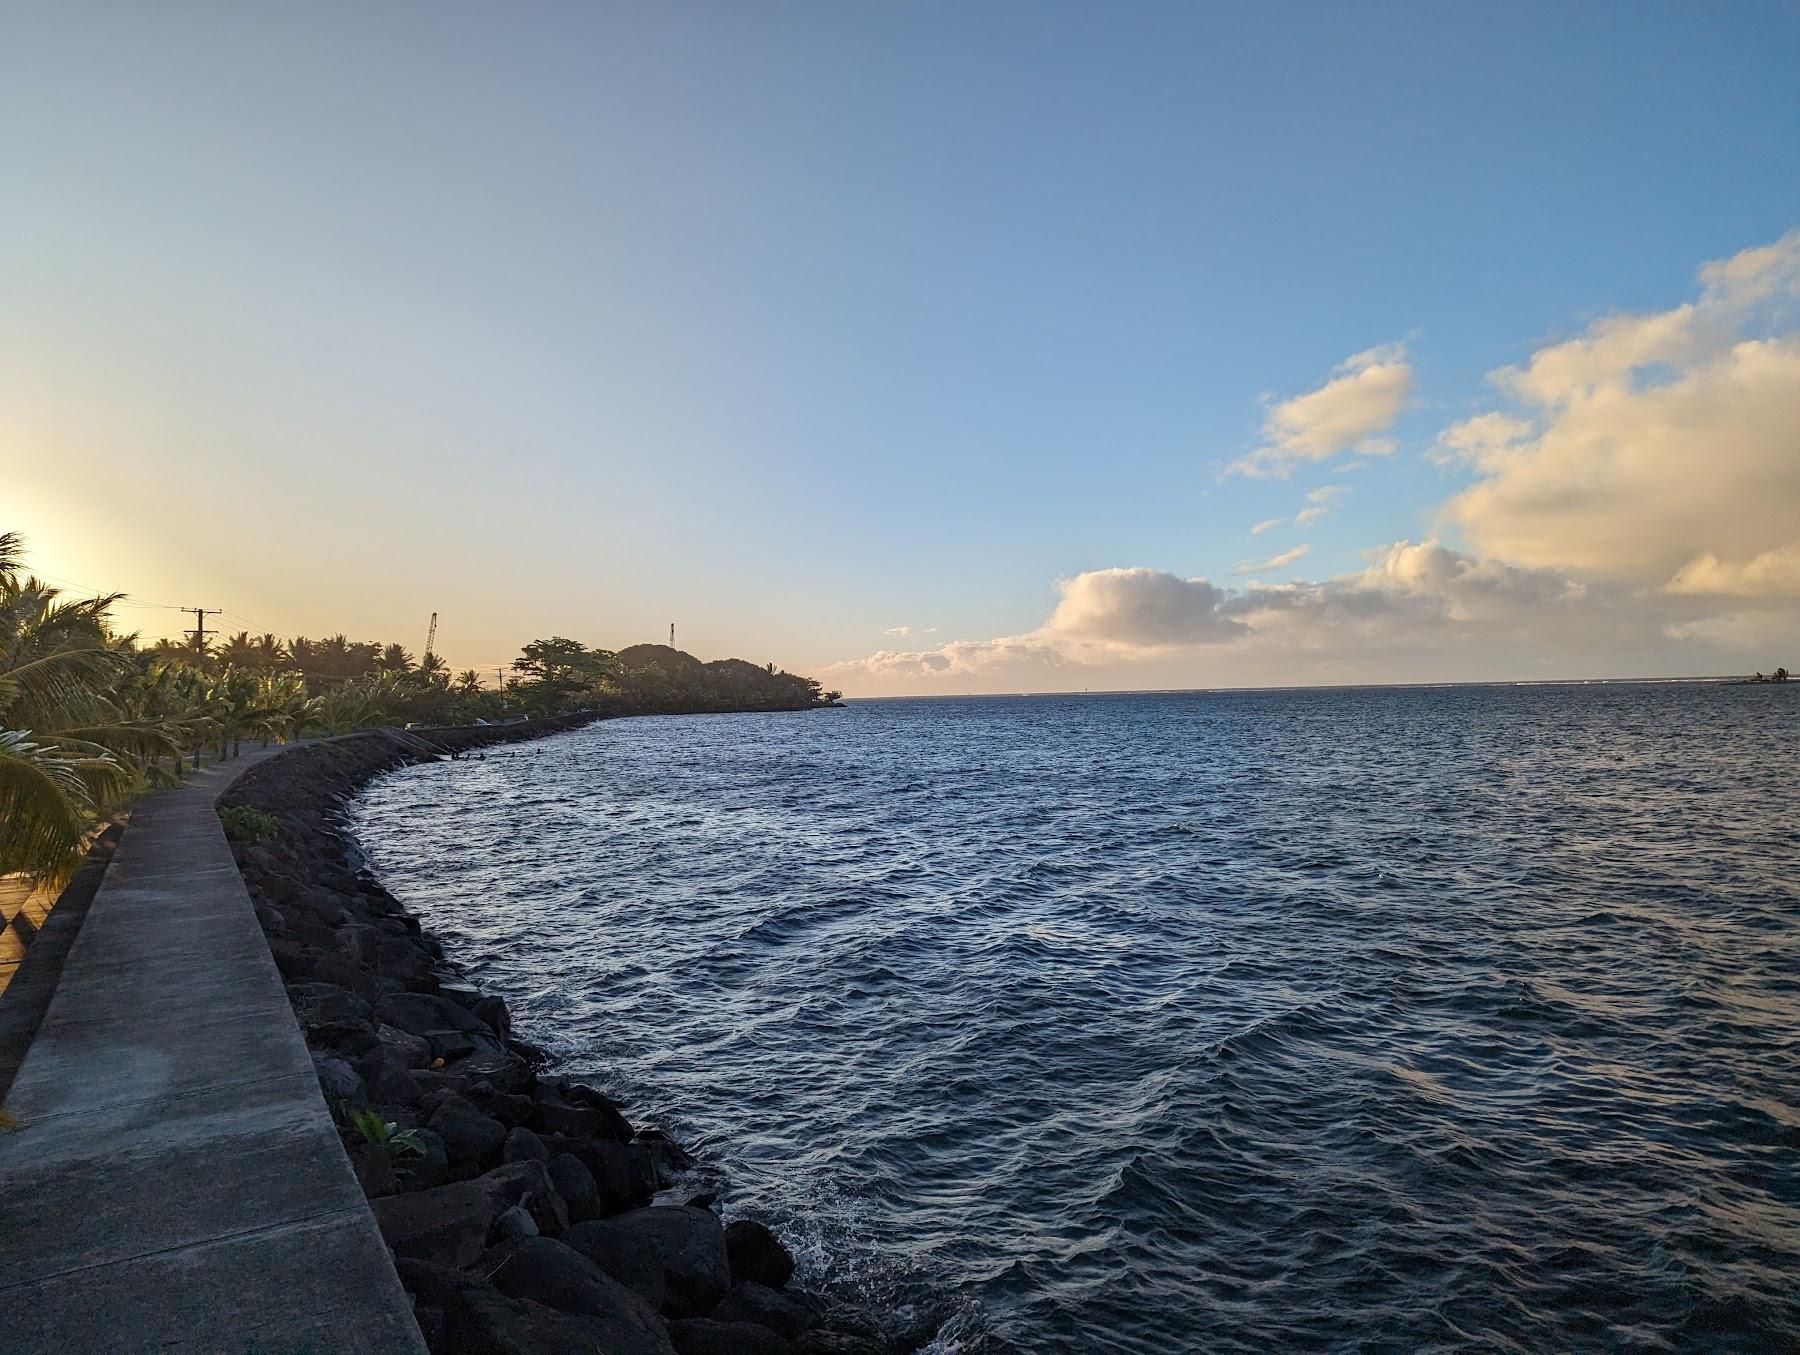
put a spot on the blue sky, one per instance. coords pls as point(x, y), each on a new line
point(796, 323)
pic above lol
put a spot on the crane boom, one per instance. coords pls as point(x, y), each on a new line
point(431, 635)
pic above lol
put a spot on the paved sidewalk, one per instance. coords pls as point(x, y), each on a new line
point(176, 1183)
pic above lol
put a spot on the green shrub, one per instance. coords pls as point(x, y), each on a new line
point(244, 823)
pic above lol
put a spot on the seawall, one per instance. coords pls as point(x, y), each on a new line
point(524, 1210)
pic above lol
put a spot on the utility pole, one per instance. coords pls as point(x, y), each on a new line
point(199, 630)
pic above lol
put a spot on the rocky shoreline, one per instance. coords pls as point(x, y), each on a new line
point(518, 1204)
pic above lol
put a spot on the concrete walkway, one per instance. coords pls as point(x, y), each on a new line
point(176, 1183)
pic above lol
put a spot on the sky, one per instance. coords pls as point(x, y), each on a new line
point(922, 347)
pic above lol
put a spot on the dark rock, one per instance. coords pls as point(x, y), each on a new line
point(431, 1283)
point(757, 1254)
point(622, 1172)
point(669, 1159)
point(473, 1139)
point(386, 1078)
point(492, 1010)
point(573, 1108)
point(515, 1223)
point(326, 1011)
point(424, 1015)
point(704, 1336)
point(450, 1224)
point(428, 1169)
point(506, 1074)
point(412, 1050)
point(791, 1315)
point(360, 942)
point(431, 1325)
point(339, 1081)
point(373, 1166)
point(575, 1183)
point(486, 1322)
point(524, 1146)
point(674, 1257)
point(557, 1276)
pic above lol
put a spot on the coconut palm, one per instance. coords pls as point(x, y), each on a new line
point(66, 751)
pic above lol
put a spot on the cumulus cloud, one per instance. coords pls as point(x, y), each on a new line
point(1418, 602)
point(1772, 574)
point(1657, 449)
point(1634, 507)
point(1363, 398)
point(1281, 561)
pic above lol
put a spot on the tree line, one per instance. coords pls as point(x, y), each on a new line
point(89, 716)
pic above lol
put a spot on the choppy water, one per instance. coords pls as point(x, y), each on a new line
point(1458, 1019)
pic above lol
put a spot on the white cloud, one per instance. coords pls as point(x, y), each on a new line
point(1266, 524)
point(1281, 561)
point(1364, 397)
point(1772, 574)
point(1651, 443)
point(1137, 609)
point(1634, 509)
point(1319, 504)
point(908, 630)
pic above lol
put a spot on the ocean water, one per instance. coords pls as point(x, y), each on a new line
point(1374, 1020)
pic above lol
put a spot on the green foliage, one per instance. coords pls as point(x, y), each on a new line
point(400, 1143)
point(246, 823)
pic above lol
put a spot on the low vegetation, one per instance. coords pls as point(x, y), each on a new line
point(89, 716)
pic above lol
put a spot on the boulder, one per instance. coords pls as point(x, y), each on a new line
point(473, 1139)
point(572, 1108)
point(704, 1336)
point(623, 1172)
point(575, 1183)
point(449, 1225)
point(524, 1146)
point(340, 1083)
point(757, 1254)
point(373, 1166)
point(515, 1223)
point(431, 1283)
point(429, 1169)
point(674, 1257)
point(790, 1315)
point(386, 1078)
point(487, 1322)
point(412, 1050)
point(556, 1275)
point(327, 1012)
point(423, 1014)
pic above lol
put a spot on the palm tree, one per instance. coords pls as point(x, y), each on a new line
point(468, 682)
point(395, 660)
point(66, 750)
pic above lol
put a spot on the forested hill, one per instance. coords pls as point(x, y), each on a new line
point(658, 678)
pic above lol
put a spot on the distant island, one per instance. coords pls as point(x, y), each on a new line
point(1779, 675)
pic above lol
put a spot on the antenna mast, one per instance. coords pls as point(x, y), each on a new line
point(671, 635)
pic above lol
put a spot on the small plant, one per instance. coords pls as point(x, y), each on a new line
point(245, 823)
point(400, 1143)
